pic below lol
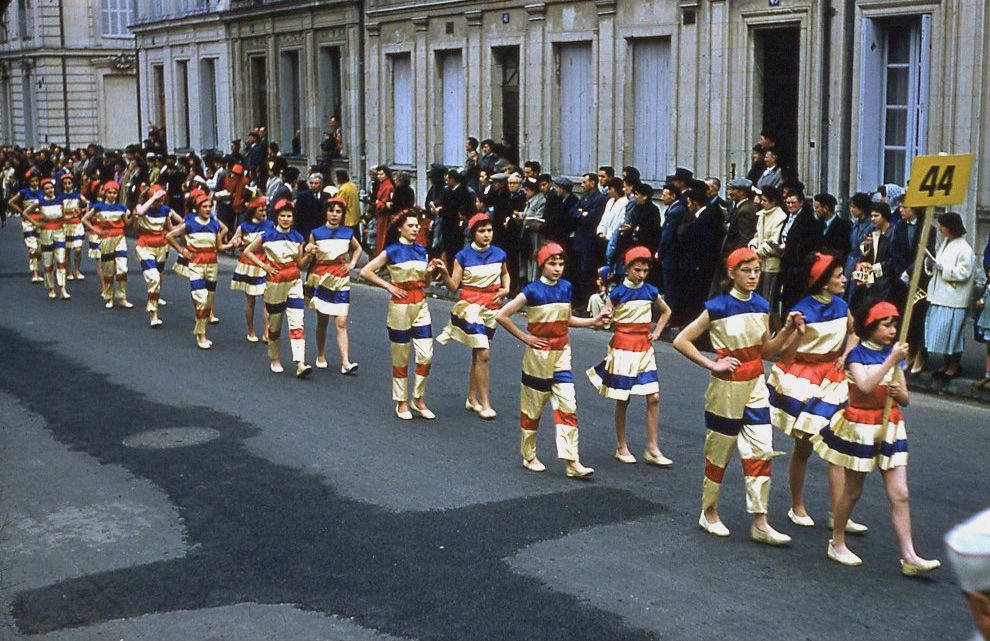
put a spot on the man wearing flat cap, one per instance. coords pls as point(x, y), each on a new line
point(742, 215)
point(968, 545)
point(557, 222)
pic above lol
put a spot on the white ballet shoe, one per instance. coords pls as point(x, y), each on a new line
point(577, 471)
point(914, 569)
point(796, 519)
point(769, 536)
point(276, 368)
point(471, 407)
point(715, 529)
point(303, 370)
point(487, 414)
point(846, 558)
point(156, 323)
point(852, 527)
point(321, 364)
point(349, 369)
point(629, 459)
point(425, 412)
point(659, 461)
point(405, 415)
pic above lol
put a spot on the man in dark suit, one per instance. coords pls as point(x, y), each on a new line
point(802, 234)
point(668, 251)
point(742, 215)
point(835, 230)
point(585, 215)
point(700, 236)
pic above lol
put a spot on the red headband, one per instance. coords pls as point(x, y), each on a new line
point(46, 181)
point(111, 184)
point(200, 198)
point(282, 203)
point(637, 253)
point(67, 177)
point(881, 310)
point(477, 219)
point(337, 201)
point(154, 189)
point(741, 255)
point(822, 262)
point(548, 250)
point(258, 203)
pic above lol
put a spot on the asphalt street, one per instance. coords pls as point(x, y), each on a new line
point(151, 490)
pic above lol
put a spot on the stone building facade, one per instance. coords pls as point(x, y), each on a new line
point(68, 73)
point(853, 88)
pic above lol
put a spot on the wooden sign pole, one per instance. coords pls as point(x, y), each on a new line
point(919, 264)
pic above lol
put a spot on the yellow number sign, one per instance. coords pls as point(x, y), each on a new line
point(938, 180)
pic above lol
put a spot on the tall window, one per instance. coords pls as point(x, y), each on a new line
point(651, 107)
point(210, 137)
point(330, 91)
point(115, 15)
point(893, 98)
point(289, 99)
point(27, 102)
point(576, 99)
point(23, 19)
point(452, 126)
point(259, 90)
point(181, 128)
point(402, 109)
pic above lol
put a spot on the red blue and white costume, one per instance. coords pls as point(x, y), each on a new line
point(807, 391)
point(409, 317)
point(72, 227)
point(152, 250)
point(856, 439)
point(51, 237)
point(284, 291)
point(546, 373)
point(472, 319)
point(29, 197)
point(630, 366)
point(113, 248)
point(248, 277)
point(737, 408)
point(202, 238)
point(329, 282)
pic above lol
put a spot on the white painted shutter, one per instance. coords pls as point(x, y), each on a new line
point(576, 101)
point(651, 61)
point(402, 110)
point(924, 70)
point(452, 126)
point(868, 167)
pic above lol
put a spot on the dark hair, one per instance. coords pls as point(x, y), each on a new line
point(631, 173)
point(952, 222)
point(772, 194)
point(386, 170)
point(644, 189)
point(400, 219)
point(773, 153)
point(472, 142)
point(826, 276)
point(795, 193)
point(341, 175)
point(545, 178)
point(697, 196)
point(827, 201)
point(590, 176)
point(290, 174)
point(672, 188)
point(489, 142)
point(769, 135)
point(609, 170)
point(534, 166)
point(884, 210)
point(862, 201)
point(615, 183)
point(863, 330)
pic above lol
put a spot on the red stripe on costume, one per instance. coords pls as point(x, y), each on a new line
point(756, 467)
point(632, 328)
point(816, 373)
point(752, 353)
point(564, 418)
point(286, 273)
point(400, 372)
point(413, 296)
point(552, 329)
point(202, 313)
point(297, 333)
point(422, 369)
point(528, 423)
point(747, 371)
point(336, 268)
point(480, 295)
point(713, 472)
point(151, 239)
point(202, 255)
point(630, 342)
point(52, 225)
point(871, 416)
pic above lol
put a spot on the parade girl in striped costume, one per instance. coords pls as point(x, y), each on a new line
point(153, 221)
point(737, 408)
point(181, 266)
point(19, 202)
point(110, 217)
point(807, 385)
point(481, 274)
point(546, 364)
point(93, 237)
point(248, 277)
point(285, 257)
point(73, 204)
point(858, 440)
point(336, 250)
point(204, 236)
point(46, 215)
point(408, 314)
point(630, 366)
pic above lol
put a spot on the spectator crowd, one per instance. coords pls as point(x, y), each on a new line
point(690, 223)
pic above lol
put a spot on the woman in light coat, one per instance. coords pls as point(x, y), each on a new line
point(766, 243)
point(949, 294)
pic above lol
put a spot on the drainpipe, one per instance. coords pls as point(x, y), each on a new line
point(362, 126)
point(845, 126)
point(65, 81)
point(823, 139)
